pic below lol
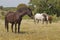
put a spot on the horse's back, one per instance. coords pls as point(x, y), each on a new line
point(38, 16)
point(11, 17)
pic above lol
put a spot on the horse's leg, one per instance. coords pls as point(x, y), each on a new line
point(19, 23)
point(15, 27)
point(46, 21)
point(6, 26)
point(18, 27)
point(37, 20)
point(42, 21)
point(12, 26)
point(50, 21)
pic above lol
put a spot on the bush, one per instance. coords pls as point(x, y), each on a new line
point(26, 17)
point(55, 18)
point(21, 6)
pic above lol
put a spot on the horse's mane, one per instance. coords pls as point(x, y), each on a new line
point(23, 9)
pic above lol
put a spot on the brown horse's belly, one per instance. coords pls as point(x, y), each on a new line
point(12, 18)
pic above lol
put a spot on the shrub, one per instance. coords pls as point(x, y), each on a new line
point(55, 18)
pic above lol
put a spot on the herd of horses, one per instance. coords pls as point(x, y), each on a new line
point(16, 17)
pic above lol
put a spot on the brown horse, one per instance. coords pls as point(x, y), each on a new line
point(16, 18)
point(50, 19)
point(47, 18)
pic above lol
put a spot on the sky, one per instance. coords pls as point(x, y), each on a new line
point(12, 3)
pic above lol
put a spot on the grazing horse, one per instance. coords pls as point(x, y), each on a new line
point(38, 17)
point(50, 19)
point(42, 17)
point(16, 18)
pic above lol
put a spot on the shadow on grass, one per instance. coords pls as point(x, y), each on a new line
point(25, 32)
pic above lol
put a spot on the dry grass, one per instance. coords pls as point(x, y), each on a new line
point(31, 31)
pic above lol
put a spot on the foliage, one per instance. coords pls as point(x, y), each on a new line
point(26, 17)
point(21, 6)
point(31, 7)
point(54, 18)
point(1, 7)
point(49, 6)
point(9, 8)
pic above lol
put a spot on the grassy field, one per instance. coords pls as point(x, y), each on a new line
point(31, 31)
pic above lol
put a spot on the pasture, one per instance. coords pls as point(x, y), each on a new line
point(31, 31)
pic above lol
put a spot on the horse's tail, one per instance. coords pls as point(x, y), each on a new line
point(5, 22)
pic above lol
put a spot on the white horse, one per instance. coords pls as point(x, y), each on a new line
point(41, 17)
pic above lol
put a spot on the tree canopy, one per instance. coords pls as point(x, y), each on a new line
point(21, 6)
point(49, 6)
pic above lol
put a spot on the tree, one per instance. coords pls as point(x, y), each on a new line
point(21, 6)
point(1, 7)
point(50, 6)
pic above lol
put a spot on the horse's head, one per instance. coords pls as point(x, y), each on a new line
point(29, 13)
